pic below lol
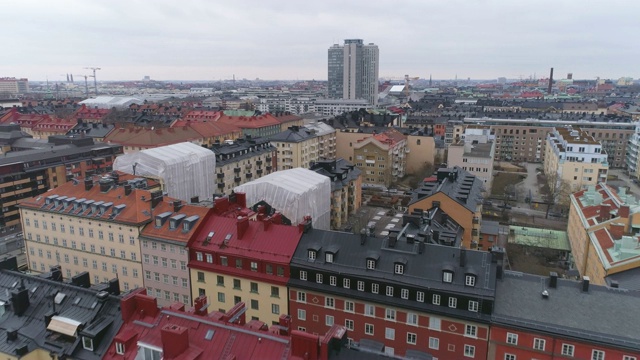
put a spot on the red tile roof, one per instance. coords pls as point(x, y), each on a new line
point(208, 129)
point(605, 241)
point(250, 122)
point(262, 240)
point(150, 137)
point(87, 113)
point(164, 231)
point(390, 137)
point(54, 125)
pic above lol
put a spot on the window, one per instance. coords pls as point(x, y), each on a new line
point(567, 349)
point(509, 357)
point(539, 344)
point(473, 306)
point(469, 351)
point(389, 290)
point(412, 319)
point(269, 269)
point(375, 288)
point(253, 287)
point(453, 302)
point(302, 314)
point(237, 284)
point(328, 257)
point(209, 259)
point(404, 293)
point(390, 314)
point(319, 278)
point(512, 338)
point(237, 299)
point(348, 324)
point(399, 269)
point(368, 329)
point(390, 333)
point(628, 357)
point(329, 302)
point(420, 296)
point(360, 285)
point(198, 256)
point(174, 263)
point(328, 319)
point(369, 310)
point(411, 338)
point(87, 343)
point(434, 343)
point(597, 355)
point(435, 299)
point(254, 304)
point(371, 264)
point(349, 306)
point(332, 280)
point(302, 296)
point(346, 283)
point(119, 348)
point(254, 266)
point(221, 297)
point(471, 330)
point(447, 276)
point(275, 309)
point(312, 254)
point(470, 280)
point(303, 275)
point(238, 263)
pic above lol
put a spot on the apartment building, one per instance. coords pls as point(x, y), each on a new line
point(395, 293)
point(164, 250)
point(346, 188)
point(241, 161)
point(326, 134)
point(632, 159)
point(474, 152)
point(332, 107)
point(28, 173)
point(382, 157)
point(576, 157)
point(421, 151)
point(234, 260)
point(457, 194)
point(353, 71)
point(11, 86)
point(603, 230)
point(525, 139)
point(90, 225)
point(300, 146)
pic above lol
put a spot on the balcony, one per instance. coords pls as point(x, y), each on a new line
point(259, 171)
point(269, 168)
point(407, 150)
point(236, 170)
point(247, 166)
point(248, 175)
point(220, 176)
point(221, 185)
point(268, 159)
point(259, 162)
point(237, 179)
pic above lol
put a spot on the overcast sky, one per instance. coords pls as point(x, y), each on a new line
point(288, 39)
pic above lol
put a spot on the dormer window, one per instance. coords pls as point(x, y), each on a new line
point(328, 257)
point(87, 343)
point(199, 256)
point(119, 348)
point(312, 255)
point(371, 264)
point(470, 280)
point(398, 269)
point(447, 276)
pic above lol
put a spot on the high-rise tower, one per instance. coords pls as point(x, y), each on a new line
point(353, 71)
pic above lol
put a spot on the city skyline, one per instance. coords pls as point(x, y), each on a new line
point(287, 41)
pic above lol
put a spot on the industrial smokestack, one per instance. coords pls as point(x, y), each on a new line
point(550, 81)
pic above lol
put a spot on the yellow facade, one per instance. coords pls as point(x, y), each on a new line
point(106, 250)
point(37, 354)
point(422, 151)
point(264, 301)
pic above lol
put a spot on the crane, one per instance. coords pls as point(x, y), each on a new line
point(95, 81)
point(86, 84)
point(407, 79)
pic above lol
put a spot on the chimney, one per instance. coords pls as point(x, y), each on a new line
point(305, 225)
point(614, 284)
point(105, 184)
point(88, 183)
point(156, 198)
point(195, 200)
point(115, 177)
point(285, 324)
point(235, 315)
point(624, 211)
point(550, 81)
point(177, 205)
point(393, 238)
point(20, 300)
point(616, 231)
point(56, 273)
point(127, 189)
point(114, 287)
point(605, 212)
point(175, 340)
point(421, 247)
point(553, 279)
point(463, 257)
point(497, 257)
point(81, 280)
point(241, 200)
point(304, 345)
point(585, 283)
point(200, 305)
point(243, 225)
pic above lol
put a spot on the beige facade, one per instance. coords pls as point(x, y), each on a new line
point(382, 162)
point(474, 158)
point(576, 157)
point(301, 146)
point(345, 141)
point(422, 151)
point(241, 162)
point(346, 185)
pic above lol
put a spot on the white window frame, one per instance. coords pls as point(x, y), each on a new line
point(329, 320)
point(371, 264)
point(87, 345)
point(470, 280)
point(349, 324)
point(434, 343)
point(302, 314)
point(369, 329)
point(453, 302)
point(597, 354)
point(412, 338)
point(301, 296)
point(328, 257)
point(390, 333)
point(412, 319)
point(389, 291)
point(330, 302)
point(319, 278)
point(390, 314)
point(333, 281)
point(474, 306)
point(360, 285)
point(303, 275)
point(346, 283)
point(435, 299)
point(568, 349)
point(447, 276)
point(349, 306)
point(312, 255)
point(375, 288)
point(369, 310)
point(469, 351)
point(435, 323)
point(471, 331)
point(398, 269)
point(509, 357)
point(119, 348)
point(404, 293)
point(420, 296)
point(512, 338)
point(539, 344)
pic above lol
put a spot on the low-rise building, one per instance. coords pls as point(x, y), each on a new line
point(399, 293)
point(458, 194)
point(575, 157)
point(346, 188)
point(234, 260)
point(603, 230)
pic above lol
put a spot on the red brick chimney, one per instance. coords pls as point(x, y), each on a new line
point(624, 211)
point(199, 305)
point(175, 340)
point(237, 309)
point(241, 199)
point(304, 345)
point(243, 225)
point(616, 231)
point(604, 212)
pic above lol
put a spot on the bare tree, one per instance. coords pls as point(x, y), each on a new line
point(555, 191)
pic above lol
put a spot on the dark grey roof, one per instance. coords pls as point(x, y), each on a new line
point(602, 315)
point(91, 130)
point(52, 152)
point(294, 134)
point(10, 133)
point(241, 149)
point(490, 227)
point(103, 317)
point(629, 279)
point(340, 171)
point(456, 183)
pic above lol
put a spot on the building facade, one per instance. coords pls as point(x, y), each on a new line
point(382, 158)
point(474, 152)
point(353, 71)
point(234, 260)
point(346, 188)
point(299, 147)
point(575, 157)
point(13, 86)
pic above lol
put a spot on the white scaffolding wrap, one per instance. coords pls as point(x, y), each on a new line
point(185, 170)
point(295, 193)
